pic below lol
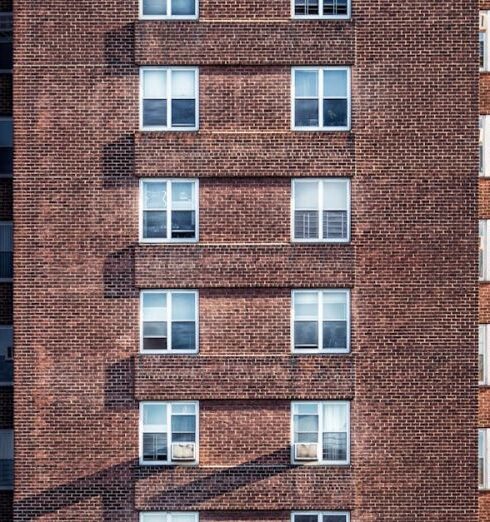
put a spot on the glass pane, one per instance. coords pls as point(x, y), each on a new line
point(183, 306)
point(335, 518)
point(335, 224)
point(155, 447)
point(335, 195)
point(155, 225)
point(155, 113)
point(6, 160)
point(154, 306)
point(335, 335)
point(183, 113)
point(183, 7)
point(306, 408)
point(154, 84)
point(306, 224)
point(334, 306)
point(6, 265)
point(6, 355)
point(334, 417)
point(183, 518)
point(335, 446)
point(154, 329)
point(335, 83)
point(183, 84)
point(183, 224)
point(151, 517)
point(300, 7)
point(6, 238)
point(183, 424)
point(335, 7)
point(155, 7)
point(6, 133)
point(155, 195)
point(305, 304)
point(306, 195)
point(306, 113)
point(312, 7)
point(305, 334)
point(306, 84)
point(305, 518)
point(155, 415)
point(155, 343)
point(334, 113)
point(184, 336)
point(306, 423)
point(183, 408)
point(182, 196)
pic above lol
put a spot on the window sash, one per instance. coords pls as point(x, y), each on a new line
point(170, 98)
point(483, 460)
point(6, 251)
point(483, 358)
point(320, 98)
point(168, 432)
point(320, 319)
point(168, 516)
point(169, 321)
point(169, 12)
point(169, 210)
point(6, 355)
point(483, 50)
point(322, 186)
point(321, 10)
point(483, 250)
point(322, 421)
point(296, 516)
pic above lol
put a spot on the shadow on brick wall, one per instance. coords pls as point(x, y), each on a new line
point(118, 274)
point(119, 386)
point(119, 50)
point(118, 163)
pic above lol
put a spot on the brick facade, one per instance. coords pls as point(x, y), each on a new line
point(411, 265)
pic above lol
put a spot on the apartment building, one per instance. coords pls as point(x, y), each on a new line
point(245, 261)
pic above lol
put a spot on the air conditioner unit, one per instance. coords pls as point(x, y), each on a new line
point(306, 451)
point(183, 451)
point(483, 21)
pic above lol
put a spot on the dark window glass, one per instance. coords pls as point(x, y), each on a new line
point(6, 160)
point(305, 518)
point(184, 335)
point(155, 7)
point(335, 446)
point(334, 334)
point(334, 7)
point(334, 518)
point(6, 265)
point(335, 113)
point(183, 224)
point(300, 7)
point(6, 473)
point(154, 113)
point(306, 113)
point(183, 428)
point(6, 369)
point(183, 113)
point(305, 334)
point(155, 224)
point(154, 335)
point(310, 8)
point(306, 224)
point(183, 7)
point(6, 55)
point(155, 446)
point(335, 224)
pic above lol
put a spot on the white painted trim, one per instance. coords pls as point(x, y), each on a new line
point(320, 349)
point(485, 432)
point(320, 514)
point(485, 245)
point(169, 462)
point(320, 71)
point(167, 515)
point(320, 461)
point(169, 127)
point(169, 10)
point(169, 350)
point(320, 209)
point(168, 240)
point(321, 16)
point(484, 125)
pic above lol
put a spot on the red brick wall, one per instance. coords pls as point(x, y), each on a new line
point(412, 263)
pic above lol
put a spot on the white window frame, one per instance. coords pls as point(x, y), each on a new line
point(168, 127)
point(169, 210)
point(484, 434)
point(11, 434)
point(169, 10)
point(319, 320)
point(167, 516)
point(320, 15)
point(320, 182)
point(169, 350)
point(168, 462)
point(11, 329)
point(484, 127)
point(483, 35)
point(319, 461)
point(320, 514)
point(320, 71)
point(7, 175)
point(484, 271)
point(11, 224)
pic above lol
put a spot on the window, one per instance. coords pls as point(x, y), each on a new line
point(6, 459)
point(6, 144)
point(322, 516)
point(6, 47)
point(483, 476)
point(168, 210)
point(6, 259)
point(321, 321)
point(321, 432)
point(6, 356)
point(168, 9)
point(321, 9)
point(483, 41)
point(168, 433)
point(169, 321)
point(483, 253)
point(169, 98)
point(321, 98)
point(163, 516)
point(321, 210)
